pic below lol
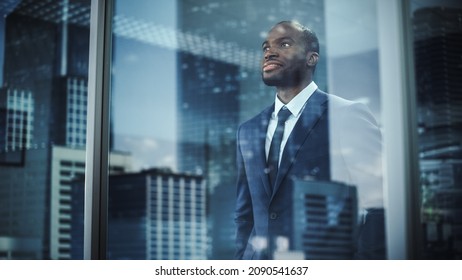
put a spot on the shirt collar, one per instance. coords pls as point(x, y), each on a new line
point(296, 105)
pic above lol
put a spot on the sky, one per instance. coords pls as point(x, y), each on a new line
point(144, 76)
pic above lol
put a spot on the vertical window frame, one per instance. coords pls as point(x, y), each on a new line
point(97, 153)
point(398, 95)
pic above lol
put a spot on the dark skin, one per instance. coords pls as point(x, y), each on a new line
point(286, 63)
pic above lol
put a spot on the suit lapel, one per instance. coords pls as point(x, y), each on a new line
point(314, 109)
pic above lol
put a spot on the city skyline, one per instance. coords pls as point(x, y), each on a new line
point(180, 88)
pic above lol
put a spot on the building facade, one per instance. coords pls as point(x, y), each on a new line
point(437, 47)
point(154, 214)
point(43, 116)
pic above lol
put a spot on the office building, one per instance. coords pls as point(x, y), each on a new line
point(68, 165)
point(43, 106)
point(154, 214)
point(437, 48)
point(16, 129)
point(324, 220)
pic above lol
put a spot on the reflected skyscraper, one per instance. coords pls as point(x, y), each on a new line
point(324, 220)
point(43, 106)
point(438, 43)
point(16, 129)
point(153, 214)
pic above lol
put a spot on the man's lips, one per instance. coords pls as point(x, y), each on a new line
point(270, 66)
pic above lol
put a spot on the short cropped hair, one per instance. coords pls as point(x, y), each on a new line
point(309, 36)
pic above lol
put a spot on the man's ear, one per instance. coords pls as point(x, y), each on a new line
point(312, 59)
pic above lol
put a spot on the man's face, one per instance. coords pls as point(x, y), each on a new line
point(284, 62)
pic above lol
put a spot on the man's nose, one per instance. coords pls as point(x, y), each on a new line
point(270, 53)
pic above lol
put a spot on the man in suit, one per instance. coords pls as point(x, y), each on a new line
point(305, 134)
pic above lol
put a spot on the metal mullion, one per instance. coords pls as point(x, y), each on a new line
point(96, 173)
point(398, 95)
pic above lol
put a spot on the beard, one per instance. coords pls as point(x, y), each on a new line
point(284, 78)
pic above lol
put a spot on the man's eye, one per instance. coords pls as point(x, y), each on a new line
point(265, 49)
point(285, 45)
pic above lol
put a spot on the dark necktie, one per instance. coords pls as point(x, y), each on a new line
point(273, 155)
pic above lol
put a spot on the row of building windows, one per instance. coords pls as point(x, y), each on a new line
point(76, 121)
point(77, 131)
point(73, 101)
point(71, 163)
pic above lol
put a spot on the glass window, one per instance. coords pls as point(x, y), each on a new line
point(437, 32)
point(187, 161)
point(186, 75)
point(44, 63)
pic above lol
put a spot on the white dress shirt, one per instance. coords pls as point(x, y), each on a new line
point(295, 106)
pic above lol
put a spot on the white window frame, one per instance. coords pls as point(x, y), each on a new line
point(398, 101)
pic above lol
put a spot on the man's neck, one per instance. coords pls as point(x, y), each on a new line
point(287, 94)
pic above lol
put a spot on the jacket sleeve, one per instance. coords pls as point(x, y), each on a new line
point(361, 147)
point(243, 211)
point(360, 140)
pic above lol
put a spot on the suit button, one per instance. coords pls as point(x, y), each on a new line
point(273, 216)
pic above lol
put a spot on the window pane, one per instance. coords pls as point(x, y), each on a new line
point(44, 58)
point(437, 49)
point(185, 75)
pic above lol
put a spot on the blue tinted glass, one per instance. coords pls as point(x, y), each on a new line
point(185, 76)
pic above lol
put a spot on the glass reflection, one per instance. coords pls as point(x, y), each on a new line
point(181, 86)
point(437, 49)
point(185, 75)
point(44, 58)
